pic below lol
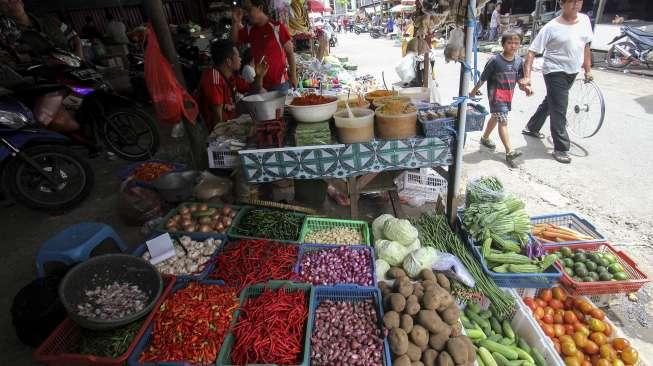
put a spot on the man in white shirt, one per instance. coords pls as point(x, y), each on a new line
point(116, 30)
point(494, 22)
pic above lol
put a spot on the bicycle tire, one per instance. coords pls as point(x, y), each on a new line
point(575, 108)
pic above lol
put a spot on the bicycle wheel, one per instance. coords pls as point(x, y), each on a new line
point(586, 109)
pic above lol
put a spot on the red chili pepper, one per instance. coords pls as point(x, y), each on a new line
point(270, 328)
point(191, 325)
point(150, 171)
point(247, 262)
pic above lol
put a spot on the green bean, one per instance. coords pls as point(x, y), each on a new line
point(108, 343)
point(270, 224)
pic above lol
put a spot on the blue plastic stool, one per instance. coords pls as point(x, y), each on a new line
point(75, 244)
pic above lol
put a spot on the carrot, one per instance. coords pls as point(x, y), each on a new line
point(549, 235)
point(570, 231)
point(559, 240)
point(560, 235)
point(544, 240)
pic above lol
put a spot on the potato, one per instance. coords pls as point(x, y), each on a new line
point(445, 360)
point(418, 292)
point(457, 348)
point(443, 281)
point(471, 350)
point(391, 320)
point(429, 356)
point(430, 320)
point(414, 352)
point(427, 274)
point(451, 314)
point(398, 340)
point(445, 298)
point(430, 300)
point(385, 292)
point(429, 284)
point(406, 323)
point(416, 363)
point(401, 361)
point(438, 341)
point(419, 335)
point(396, 273)
point(456, 329)
point(412, 305)
point(397, 302)
point(382, 285)
point(406, 289)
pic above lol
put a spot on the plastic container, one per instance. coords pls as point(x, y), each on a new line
point(208, 269)
point(304, 248)
point(54, 350)
point(371, 96)
point(220, 159)
point(144, 341)
point(636, 278)
point(232, 233)
point(418, 93)
point(314, 113)
point(224, 358)
point(444, 127)
point(571, 221)
point(318, 223)
point(195, 234)
point(396, 127)
point(357, 129)
point(350, 294)
point(425, 185)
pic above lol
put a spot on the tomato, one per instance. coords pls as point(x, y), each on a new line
point(569, 303)
point(546, 295)
point(585, 363)
point(570, 317)
point(607, 352)
point(549, 311)
point(556, 304)
point(629, 356)
point(569, 348)
point(608, 329)
point(579, 327)
point(538, 313)
point(528, 300)
point(596, 325)
point(559, 330)
point(603, 362)
point(569, 329)
point(599, 338)
point(559, 294)
point(548, 319)
point(584, 306)
point(591, 348)
point(565, 338)
point(558, 319)
point(571, 361)
point(580, 339)
point(579, 315)
point(548, 330)
point(594, 359)
point(620, 344)
point(556, 345)
point(597, 314)
point(541, 303)
point(617, 362)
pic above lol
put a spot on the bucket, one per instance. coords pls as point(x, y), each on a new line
point(396, 127)
point(357, 129)
point(177, 186)
point(265, 106)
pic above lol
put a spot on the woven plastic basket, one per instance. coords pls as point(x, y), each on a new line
point(429, 186)
point(224, 358)
point(232, 233)
point(571, 221)
point(350, 294)
point(220, 159)
point(305, 248)
point(318, 223)
point(636, 278)
point(54, 351)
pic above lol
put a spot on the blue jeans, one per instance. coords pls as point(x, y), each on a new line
point(493, 34)
point(283, 87)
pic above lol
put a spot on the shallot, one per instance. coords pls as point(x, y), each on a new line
point(112, 301)
point(338, 265)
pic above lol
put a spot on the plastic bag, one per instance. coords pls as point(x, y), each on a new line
point(406, 68)
point(171, 100)
point(451, 263)
point(484, 189)
point(137, 205)
point(211, 186)
point(455, 49)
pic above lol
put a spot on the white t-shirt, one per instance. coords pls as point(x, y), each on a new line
point(563, 45)
point(249, 73)
point(494, 21)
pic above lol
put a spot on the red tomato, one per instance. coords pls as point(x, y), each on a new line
point(556, 345)
point(528, 300)
point(569, 303)
point(597, 314)
point(559, 330)
point(541, 303)
point(556, 304)
point(570, 317)
point(620, 344)
point(558, 319)
point(590, 348)
point(548, 330)
point(549, 311)
point(546, 295)
point(559, 294)
point(608, 329)
point(538, 313)
point(569, 329)
point(548, 319)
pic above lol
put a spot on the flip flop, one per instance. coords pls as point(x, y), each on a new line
point(528, 132)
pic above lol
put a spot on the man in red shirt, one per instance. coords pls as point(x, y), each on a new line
point(220, 83)
point(267, 39)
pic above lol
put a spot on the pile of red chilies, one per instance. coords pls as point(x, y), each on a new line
point(191, 325)
point(270, 329)
point(247, 262)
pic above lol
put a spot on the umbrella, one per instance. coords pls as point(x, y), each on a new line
point(316, 6)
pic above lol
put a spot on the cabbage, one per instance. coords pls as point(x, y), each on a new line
point(377, 225)
point(390, 251)
point(418, 260)
point(413, 246)
point(381, 268)
point(400, 230)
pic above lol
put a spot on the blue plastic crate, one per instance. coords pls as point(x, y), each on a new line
point(315, 247)
point(350, 294)
point(208, 269)
point(144, 342)
point(572, 221)
point(127, 171)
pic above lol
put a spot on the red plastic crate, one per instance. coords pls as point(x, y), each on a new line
point(52, 351)
point(636, 278)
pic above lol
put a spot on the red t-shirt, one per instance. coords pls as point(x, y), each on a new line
point(215, 89)
point(263, 41)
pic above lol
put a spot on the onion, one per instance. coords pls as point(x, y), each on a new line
point(176, 218)
point(219, 227)
point(171, 223)
point(191, 229)
point(215, 216)
point(232, 214)
point(186, 222)
point(205, 220)
point(226, 210)
point(205, 228)
point(186, 216)
point(203, 207)
point(336, 266)
point(193, 208)
point(226, 221)
point(184, 210)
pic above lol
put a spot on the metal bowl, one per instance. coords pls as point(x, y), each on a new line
point(105, 269)
point(176, 186)
point(265, 106)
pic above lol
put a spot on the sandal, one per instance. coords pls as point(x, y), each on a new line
point(487, 142)
point(510, 156)
point(528, 132)
point(562, 157)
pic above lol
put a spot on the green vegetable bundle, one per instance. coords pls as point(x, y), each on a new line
point(504, 218)
point(270, 224)
point(484, 189)
point(107, 343)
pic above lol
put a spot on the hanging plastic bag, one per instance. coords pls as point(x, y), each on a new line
point(450, 263)
point(406, 68)
point(171, 100)
point(455, 49)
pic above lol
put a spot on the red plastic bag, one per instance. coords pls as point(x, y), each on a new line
point(171, 100)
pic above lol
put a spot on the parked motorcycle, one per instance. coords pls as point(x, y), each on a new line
point(361, 28)
point(37, 167)
point(377, 31)
point(104, 117)
point(636, 48)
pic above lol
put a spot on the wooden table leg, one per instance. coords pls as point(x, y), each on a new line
point(352, 188)
point(396, 204)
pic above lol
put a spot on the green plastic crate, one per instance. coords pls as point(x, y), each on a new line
point(232, 233)
point(196, 235)
point(224, 357)
point(317, 223)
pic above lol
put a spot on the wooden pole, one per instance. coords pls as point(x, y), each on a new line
point(599, 12)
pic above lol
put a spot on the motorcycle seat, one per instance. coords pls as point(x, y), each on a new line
point(640, 35)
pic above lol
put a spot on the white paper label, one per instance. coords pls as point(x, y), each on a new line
point(160, 248)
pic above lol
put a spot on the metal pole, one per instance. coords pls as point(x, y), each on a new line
point(599, 12)
point(466, 77)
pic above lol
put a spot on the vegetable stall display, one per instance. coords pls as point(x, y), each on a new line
point(247, 262)
point(423, 321)
point(552, 233)
point(584, 266)
point(111, 343)
point(191, 324)
point(321, 265)
point(268, 224)
point(200, 217)
point(151, 170)
point(191, 256)
point(335, 235)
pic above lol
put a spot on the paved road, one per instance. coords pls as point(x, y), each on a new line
point(608, 181)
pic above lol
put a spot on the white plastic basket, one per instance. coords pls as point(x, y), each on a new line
point(220, 159)
point(426, 183)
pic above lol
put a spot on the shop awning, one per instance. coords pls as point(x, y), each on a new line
point(402, 8)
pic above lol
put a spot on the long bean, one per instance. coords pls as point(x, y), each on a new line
point(435, 232)
point(270, 224)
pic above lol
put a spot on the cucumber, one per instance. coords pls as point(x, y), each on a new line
point(507, 341)
point(465, 320)
point(501, 361)
point(483, 323)
point(521, 343)
point(473, 307)
point(523, 355)
point(506, 351)
point(487, 358)
point(507, 330)
point(516, 363)
point(479, 361)
point(495, 337)
point(496, 326)
point(475, 333)
point(204, 213)
point(537, 356)
point(485, 314)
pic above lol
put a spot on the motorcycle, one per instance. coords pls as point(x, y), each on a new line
point(333, 41)
point(118, 123)
point(361, 28)
point(636, 48)
point(37, 167)
point(377, 31)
